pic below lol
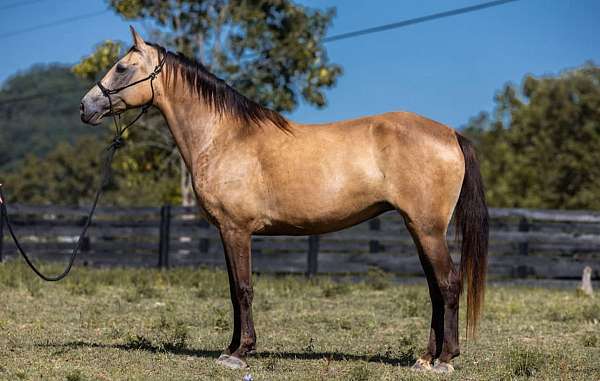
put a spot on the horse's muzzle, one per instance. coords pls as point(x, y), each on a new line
point(89, 114)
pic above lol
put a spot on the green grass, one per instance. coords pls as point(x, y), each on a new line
point(162, 325)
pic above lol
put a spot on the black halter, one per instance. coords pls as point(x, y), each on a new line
point(106, 169)
point(118, 140)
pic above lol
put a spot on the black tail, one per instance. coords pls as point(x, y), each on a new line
point(471, 215)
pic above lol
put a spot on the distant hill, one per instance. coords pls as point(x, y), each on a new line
point(35, 125)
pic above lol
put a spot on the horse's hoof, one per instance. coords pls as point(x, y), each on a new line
point(443, 367)
point(421, 365)
point(232, 362)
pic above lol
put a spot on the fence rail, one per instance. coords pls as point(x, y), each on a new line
point(523, 242)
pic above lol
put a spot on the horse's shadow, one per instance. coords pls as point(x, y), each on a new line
point(405, 359)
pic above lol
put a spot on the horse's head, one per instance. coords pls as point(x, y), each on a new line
point(138, 64)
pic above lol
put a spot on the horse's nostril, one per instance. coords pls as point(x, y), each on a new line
point(81, 107)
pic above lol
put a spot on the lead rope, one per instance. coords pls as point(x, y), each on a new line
point(111, 150)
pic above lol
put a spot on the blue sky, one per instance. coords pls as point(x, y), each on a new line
point(447, 69)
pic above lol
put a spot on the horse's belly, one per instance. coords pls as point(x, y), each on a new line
point(322, 192)
point(325, 221)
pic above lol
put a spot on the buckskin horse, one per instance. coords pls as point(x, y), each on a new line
point(255, 172)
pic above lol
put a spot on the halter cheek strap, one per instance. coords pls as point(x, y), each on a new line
point(108, 92)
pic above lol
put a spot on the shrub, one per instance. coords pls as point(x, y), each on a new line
point(360, 372)
point(331, 290)
point(78, 285)
point(525, 362)
point(591, 340)
point(74, 376)
point(378, 279)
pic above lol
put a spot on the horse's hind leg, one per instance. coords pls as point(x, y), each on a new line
point(444, 290)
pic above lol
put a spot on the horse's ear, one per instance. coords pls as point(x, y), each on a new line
point(138, 41)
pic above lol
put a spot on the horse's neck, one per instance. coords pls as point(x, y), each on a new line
point(195, 127)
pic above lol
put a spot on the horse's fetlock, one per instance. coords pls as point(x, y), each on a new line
point(450, 352)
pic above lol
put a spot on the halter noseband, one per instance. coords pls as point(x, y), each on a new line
point(118, 141)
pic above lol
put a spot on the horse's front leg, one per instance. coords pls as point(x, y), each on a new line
point(236, 243)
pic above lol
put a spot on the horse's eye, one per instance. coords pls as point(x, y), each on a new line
point(121, 68)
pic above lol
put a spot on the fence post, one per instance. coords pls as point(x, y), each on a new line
point(524, 228)
point(374, 225)
point(1, 235)
point(313, 254)
point(163, 245)
point(204, 242)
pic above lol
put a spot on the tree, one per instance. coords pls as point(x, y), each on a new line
point(38, 125)
point(269, 50)
point(540, 148)
point(71, 174)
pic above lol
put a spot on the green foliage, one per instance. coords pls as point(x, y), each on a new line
point(75, 376)
point(71, 174)
point(78, 285)
point(47, 156)
point(269, 50)
point(68, 175)
point(36, 126)
point(540, 148)
point(102, 59)
point(525, 362)
point(334, 289)
point(172, 333)
point(378, 279)
point(138, 342)
point(360, 372)
point(591, 340)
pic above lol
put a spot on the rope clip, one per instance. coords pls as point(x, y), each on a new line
point(117, 142)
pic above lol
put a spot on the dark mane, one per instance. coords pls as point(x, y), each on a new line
point(217, 93)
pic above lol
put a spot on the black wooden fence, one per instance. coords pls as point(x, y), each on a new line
point(541, 243)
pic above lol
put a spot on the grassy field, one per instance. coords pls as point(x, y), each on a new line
point(171, 325)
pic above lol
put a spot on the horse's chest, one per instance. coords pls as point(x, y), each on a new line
point(227, 195)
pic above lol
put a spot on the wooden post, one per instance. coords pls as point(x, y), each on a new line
point(524, 228)
point(374, 246)
point(374, 225)
point(1, 235)
point(204, 242)
point(586, 282)
point(163, 246)
point(313, 254)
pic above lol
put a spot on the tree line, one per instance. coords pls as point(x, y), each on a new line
point(538, 147)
